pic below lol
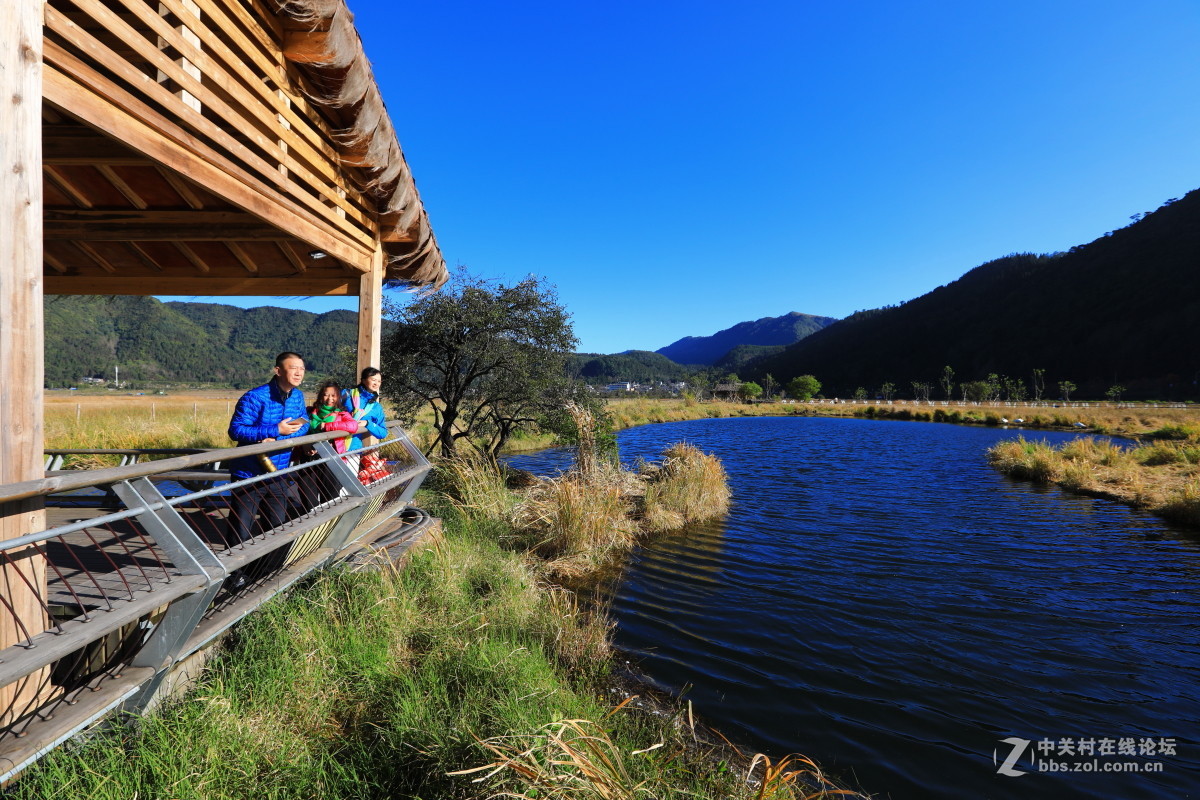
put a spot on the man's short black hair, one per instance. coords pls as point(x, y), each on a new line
point(282, 357)
point(366, 373)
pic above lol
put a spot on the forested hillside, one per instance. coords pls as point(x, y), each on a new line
point(1123, 309)
point(185, 342)
point(635, 365)
point(708, 350)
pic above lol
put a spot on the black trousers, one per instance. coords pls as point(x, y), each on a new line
point(269, 497)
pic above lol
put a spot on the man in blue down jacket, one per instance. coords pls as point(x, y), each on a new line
point(267, 413)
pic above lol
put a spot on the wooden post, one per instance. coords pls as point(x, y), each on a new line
point(370, 308)
point(23, 572)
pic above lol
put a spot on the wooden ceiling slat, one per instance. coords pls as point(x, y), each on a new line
point(148, 183)
point(53, 262)
point(102, 104)
point(100, 260)
point(129, 225)
point(242, 256)
point(166, 257)
point(121, 186)
point(246, 286)
point(53, 195)
point(269, 259)
point(297, 261)
point(184, 188)
point(64, 185)
point(191, 256)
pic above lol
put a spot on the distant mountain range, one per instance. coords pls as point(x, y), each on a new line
point(1123, 309)
point(768, 331)
point(185, 342)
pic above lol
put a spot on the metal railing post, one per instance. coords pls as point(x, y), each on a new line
point(191, 556)
point(347, 480)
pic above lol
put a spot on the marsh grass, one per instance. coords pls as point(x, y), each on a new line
point(1160, 476)
point(390, 683)
point(688, 486)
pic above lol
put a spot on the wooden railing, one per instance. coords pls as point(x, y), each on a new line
point(143, 565)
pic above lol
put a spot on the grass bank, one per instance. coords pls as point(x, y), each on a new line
point(467, 674)
point(1122, 420)
point(1161, 476)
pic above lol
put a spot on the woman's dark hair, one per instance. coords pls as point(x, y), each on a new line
point(366, 373)
point(321, 390)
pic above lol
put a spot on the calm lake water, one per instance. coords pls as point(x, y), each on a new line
point(882, 600)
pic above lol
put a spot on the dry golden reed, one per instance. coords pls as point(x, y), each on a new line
point(1162, 476)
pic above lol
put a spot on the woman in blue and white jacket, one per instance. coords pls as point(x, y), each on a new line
point(363, 402)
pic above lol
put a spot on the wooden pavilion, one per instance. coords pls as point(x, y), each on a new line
point(208, 147)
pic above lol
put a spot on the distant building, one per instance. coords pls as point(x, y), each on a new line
point(619, 387)
point(727, 391)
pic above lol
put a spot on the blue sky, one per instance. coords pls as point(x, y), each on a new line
point(675, 168)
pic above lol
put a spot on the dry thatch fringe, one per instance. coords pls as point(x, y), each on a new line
point(476, 488)
point(578, 524)
point(586, 458)
point(588, 642)
point(689, 486)
point(572, 758)
point(576, 758)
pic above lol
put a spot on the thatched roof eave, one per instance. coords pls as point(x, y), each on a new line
point(320, 39)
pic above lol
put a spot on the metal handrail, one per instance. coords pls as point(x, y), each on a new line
point(95, 477)
point(127, 595)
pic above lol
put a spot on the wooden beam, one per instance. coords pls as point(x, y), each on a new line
point(182, 187)
point(124, 188)
point(171, 146)
point(93, 254)
point(23, 573)
point(370, 309)
point(243, 257)
point(191, 256)
point(293, 258)
point(79, 145)
point(144, 225)
point(200, 285)
point(68, 187)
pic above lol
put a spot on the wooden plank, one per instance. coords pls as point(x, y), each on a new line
point(218, 62)
point(370, 308)
point(182, 187)
point(64, 184)
point(134, 77)
point(201, 285)
point(103, 262)
point(242, 256)
point(191, 256)
point(157, 225)
point(66, 145)
point(260, 117)
point(294, 258)
point(23, 574)
point(175, 149)
point(124, 188)
point(149, 184)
